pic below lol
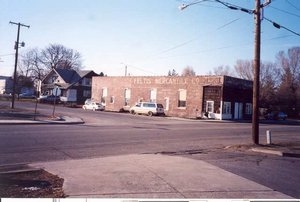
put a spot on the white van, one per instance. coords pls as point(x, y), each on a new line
point(148, 108)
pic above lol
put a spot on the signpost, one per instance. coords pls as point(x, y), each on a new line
point(56, 92)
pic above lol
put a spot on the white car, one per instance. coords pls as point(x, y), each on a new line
point(147, 108)
point(95, 106)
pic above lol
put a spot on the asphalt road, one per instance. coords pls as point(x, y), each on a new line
point(108, 134)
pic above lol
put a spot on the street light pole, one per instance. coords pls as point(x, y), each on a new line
point(16, 62)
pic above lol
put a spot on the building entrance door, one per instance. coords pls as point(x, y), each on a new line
point(238, 110)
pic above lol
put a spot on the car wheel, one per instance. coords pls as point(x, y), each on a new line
point(150, 113)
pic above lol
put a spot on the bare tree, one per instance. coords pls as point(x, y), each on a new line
point(188, 71)
point(37, 63)
point(222, 70)
point(31, 65)
point(58, 56)
point(289, 89)
point(172, 73)
point(269, 82)
point(244, 69)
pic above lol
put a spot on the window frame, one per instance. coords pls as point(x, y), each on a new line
point(182, 94)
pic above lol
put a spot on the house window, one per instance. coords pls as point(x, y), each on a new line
point(248, 108)
point(127, 96)
point(104, 95)
point(153, 95)
point(167, 103)
point(227, 108)
point(104, 92)
point(87, 82)
point(53, 78)
point(182, 98)
point(86, 93)
point(210, 106)
point(112, 99)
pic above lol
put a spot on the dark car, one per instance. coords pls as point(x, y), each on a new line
point(49, 99)
point(26, 96)
point(276, 116)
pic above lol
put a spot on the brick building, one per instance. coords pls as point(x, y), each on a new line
point(217, 97)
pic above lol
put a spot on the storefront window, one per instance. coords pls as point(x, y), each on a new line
point(227, 108)
point(248, 108)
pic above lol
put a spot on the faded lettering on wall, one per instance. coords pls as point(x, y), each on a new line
point(177, 80)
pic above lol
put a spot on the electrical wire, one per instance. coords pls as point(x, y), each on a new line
point(195, 39)
point(140, 69)
point(278, 26)
point(180, 45)
point(284, 11)
point(235, 7)
point(292, 5)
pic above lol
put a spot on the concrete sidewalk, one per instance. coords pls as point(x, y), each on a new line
point(44, 120)
point(153, 176)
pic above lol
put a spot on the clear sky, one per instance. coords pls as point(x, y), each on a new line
point(150, 37)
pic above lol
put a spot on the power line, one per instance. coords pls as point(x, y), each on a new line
point(140, 69)
point(235, 7)
point(278, 26)
point(191, 40)
point(223, 47)
point(204, 5)
point(284, 11)
point(292, 5)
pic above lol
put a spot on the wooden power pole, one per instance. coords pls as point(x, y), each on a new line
point(16, 62)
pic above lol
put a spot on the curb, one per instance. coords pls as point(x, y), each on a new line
point(277, 152)
point(63, 120)
point(17, 168)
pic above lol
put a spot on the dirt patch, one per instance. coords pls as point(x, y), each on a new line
point(238, 147)
point(32, 184)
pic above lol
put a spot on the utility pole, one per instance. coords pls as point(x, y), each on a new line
point(16, 61)
point(255, 113)
point(257, 44)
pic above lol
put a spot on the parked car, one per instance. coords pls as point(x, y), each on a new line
point(147, 108)
point(92, 105)
point(276, 116)
point(49, 99)
point(26, 96)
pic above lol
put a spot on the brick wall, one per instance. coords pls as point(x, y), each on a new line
point(166, 87)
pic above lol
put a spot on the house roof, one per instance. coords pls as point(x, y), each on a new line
point(70, 76)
